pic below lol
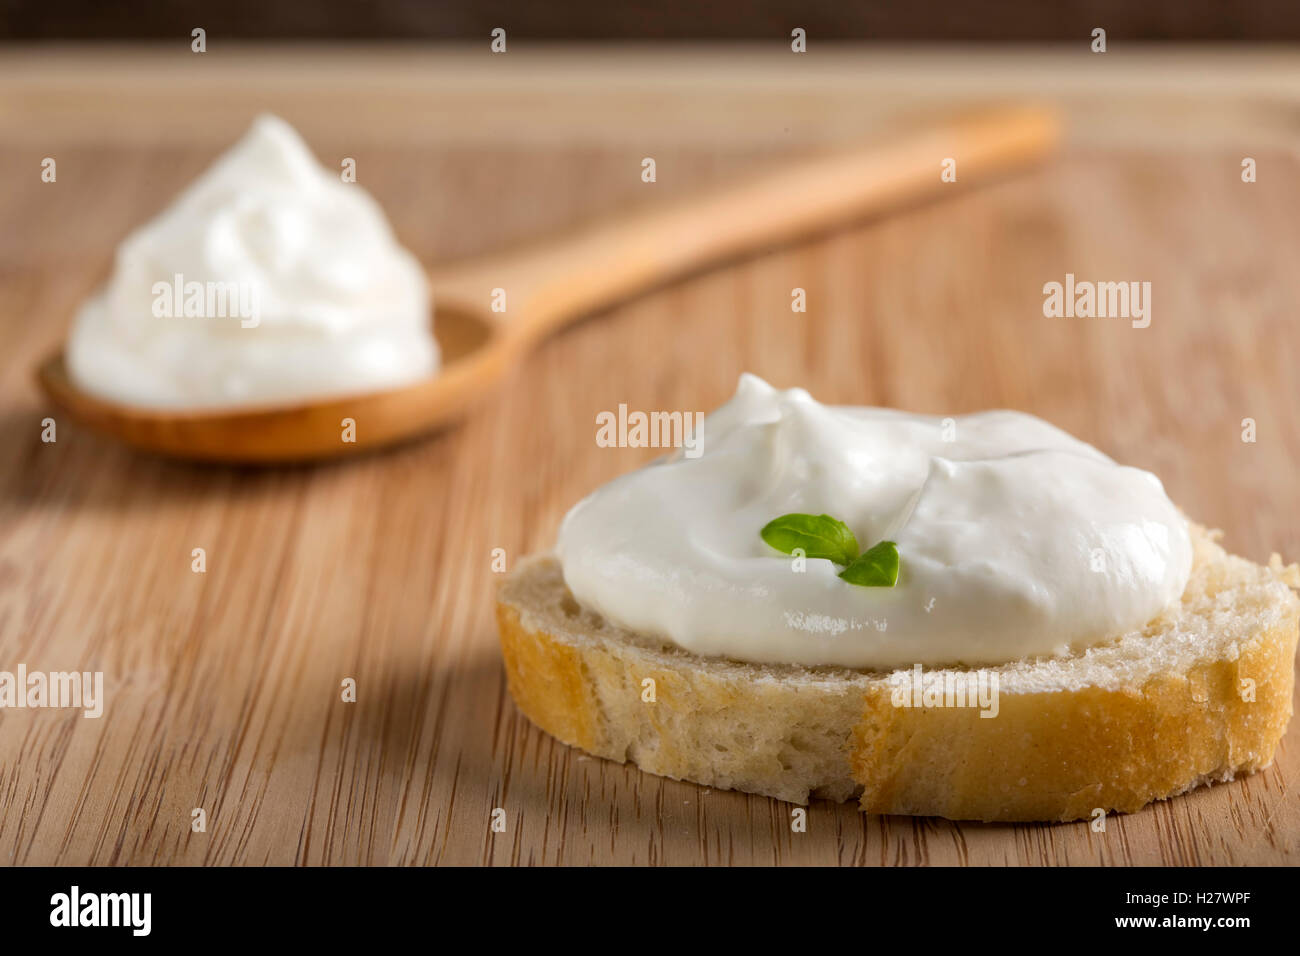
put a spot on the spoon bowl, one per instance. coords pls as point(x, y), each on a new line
point(540, 289)
point(473, 359)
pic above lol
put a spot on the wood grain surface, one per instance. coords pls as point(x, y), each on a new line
point(223, 688)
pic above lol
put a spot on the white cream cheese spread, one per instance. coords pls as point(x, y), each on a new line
point(268, 279)
point(1015, 539)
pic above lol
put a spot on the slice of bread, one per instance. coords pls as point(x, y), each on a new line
point(1199, 695)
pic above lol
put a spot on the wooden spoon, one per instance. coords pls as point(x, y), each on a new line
point(550, 284)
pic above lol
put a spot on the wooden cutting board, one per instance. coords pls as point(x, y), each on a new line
point(224, 687)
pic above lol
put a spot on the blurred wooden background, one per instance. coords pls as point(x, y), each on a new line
point(223, 688)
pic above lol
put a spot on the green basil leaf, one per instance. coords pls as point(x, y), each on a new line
point(876, 567)
point(820, 536)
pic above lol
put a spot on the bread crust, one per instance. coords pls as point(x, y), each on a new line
point(1132, 735)
point(1065, 755)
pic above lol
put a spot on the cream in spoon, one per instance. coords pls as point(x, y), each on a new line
point(269, 279)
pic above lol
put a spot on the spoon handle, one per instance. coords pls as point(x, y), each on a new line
point(552, 283)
